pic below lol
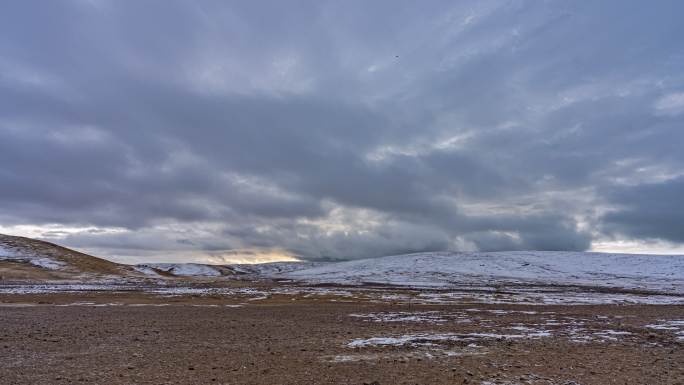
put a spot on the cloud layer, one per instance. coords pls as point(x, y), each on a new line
point(336, 130)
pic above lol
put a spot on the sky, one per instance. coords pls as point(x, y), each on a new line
point(222, 131)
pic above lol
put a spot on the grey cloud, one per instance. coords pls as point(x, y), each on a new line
point(257, 123)
point(653, 210)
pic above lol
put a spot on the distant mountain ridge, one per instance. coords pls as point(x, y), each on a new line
point(26, 259)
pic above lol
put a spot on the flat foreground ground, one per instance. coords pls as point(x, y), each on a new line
point(328, 338)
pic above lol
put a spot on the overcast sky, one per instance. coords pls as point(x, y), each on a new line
point(252, 130)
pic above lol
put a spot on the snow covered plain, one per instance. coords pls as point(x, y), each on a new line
point(452, 269)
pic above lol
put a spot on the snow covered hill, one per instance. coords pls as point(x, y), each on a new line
point(23, 259)
point(8, 253)
point(32, 259)
point(180, 269)
point(260, 270)
point(445, 269)
point(274, 268)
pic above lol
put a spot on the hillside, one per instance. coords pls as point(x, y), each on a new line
point(31, 259)
point(444, 269)
point(249, 271)
point(25, 259)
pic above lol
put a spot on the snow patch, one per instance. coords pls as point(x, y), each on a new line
point(434, 317)
point(675, 326)
point(47, 263)
point(429, 339)
point(182, 269)
point(146, 270)
point(8, 254)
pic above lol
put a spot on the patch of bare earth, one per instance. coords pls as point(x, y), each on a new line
point(329, 337)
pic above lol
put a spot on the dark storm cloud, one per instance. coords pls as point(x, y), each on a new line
point(342, 130)
point(654, 210)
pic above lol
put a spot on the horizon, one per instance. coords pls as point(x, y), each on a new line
point(275, 258)
point(218, 131)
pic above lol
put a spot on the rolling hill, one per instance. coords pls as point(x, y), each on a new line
point(31, 259)
point(25, 259)
point(445, 269)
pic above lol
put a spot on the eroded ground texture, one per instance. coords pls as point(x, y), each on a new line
point(277, 334)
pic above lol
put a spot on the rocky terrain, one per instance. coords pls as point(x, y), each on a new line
point(330, 337)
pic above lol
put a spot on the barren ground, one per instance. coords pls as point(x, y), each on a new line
point(329, 337)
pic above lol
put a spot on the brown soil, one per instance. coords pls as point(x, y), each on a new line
point(19, 271)
point(304, 340)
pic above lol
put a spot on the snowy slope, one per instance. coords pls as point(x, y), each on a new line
point(652, 272)
point(33, 259)
point(272, 268)
point(14, 254)
point(181, 269)
point(205, 270)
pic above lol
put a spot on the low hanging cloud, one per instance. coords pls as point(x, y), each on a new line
point(330, 130)
point(648, 211)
